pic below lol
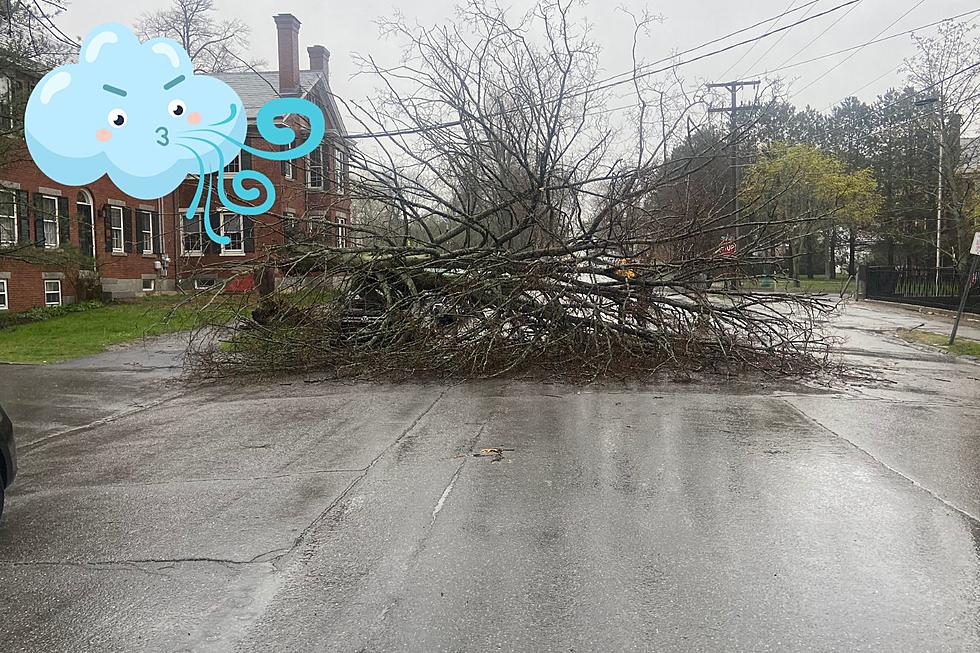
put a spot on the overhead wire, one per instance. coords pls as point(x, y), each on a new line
point(857, 50)
point(605, 84)
point(752, 47)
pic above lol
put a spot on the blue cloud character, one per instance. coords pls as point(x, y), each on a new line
point(135, 111)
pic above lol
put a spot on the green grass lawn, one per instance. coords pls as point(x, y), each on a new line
point(962, 346)
point(92, 331)
point(819, 283)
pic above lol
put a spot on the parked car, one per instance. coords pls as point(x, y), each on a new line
point(8, 455)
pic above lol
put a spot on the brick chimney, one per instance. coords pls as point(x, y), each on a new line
point(288, 28)
point(319, 59)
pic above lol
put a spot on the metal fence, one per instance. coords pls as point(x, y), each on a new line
point(920, 286)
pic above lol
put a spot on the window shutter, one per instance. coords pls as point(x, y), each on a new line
point(64, 222)
point(23, 218)
point(107, 221)
point(248, 233)
point(246, 160)
point(38, 221)
point(128, 230)
point(157, 233)
point(142, 224)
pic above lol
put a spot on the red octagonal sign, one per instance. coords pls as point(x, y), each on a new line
point(727, 248)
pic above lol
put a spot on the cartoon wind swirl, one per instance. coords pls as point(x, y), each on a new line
point(272, 133)
point(137, 113)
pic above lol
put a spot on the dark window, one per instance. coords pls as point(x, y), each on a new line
point(8, 218)
point(52, 292)
point(116, 220)
point(193, 239)
point(314, 177)
point(231, 226)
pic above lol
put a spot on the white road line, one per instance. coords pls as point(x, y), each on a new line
point(445, 495)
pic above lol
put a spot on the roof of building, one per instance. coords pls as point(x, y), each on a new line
point(255, 88)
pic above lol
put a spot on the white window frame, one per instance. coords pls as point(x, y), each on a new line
point(318, 224)
point(46, 291)
point(207, 284)
point(200, 233)
point(5, 303)
point(153, 285)
point(288, 171)
point(48, 217)
point(114, 212)
point(343, 222)
point(6, 102)
point(235, 165)
point(227, 250)
point(13, 215)
point(290, 223)
point(311, 168)
point(90, 203)
point(149, 222)
point(340, 164)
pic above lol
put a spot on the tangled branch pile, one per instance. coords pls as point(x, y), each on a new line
point(509, 223)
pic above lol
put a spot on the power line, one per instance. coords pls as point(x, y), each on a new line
point(864, 45)
point(936, 83)
point(912, 98)
point(775, 23)
point(602, 85)
point(631, 73)
point(817, 37)
point(872, 42)
point(832, 54)
point(724, 49)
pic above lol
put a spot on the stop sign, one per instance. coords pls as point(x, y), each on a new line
point(727, 247)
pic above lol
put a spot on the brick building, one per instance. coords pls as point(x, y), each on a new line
point(311, 193)
point(55, 240)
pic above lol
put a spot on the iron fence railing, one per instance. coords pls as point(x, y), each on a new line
point(921, 286)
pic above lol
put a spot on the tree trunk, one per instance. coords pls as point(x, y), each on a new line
point(790, 260)
point(832, 253)
point(266, 283)
point(851, 247)
point(808, 243)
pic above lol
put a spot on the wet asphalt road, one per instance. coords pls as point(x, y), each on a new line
point(299, 516)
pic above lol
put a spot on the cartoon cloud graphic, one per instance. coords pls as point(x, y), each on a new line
point(135, 111)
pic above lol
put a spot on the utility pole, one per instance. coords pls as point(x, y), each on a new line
point(733, 110)
point(939, 200)
point(940, 127)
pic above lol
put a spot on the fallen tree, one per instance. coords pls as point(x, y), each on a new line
point(506, 224)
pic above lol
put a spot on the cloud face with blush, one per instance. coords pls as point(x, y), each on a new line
point(135, 111)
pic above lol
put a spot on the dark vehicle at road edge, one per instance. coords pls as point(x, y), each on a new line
point(8, 456)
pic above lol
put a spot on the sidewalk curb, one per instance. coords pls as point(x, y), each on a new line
point(915, 308)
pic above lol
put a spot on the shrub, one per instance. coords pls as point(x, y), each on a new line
point(45, 313)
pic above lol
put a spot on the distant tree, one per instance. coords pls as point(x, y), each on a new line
point(215, 46)
point(30, 45)
point(898, 142)
point(945, 67)
point(29, 37)
point(847, 136)
point(804, 191)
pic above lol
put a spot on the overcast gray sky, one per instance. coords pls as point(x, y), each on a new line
point(346, 27)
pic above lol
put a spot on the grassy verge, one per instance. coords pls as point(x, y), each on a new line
point(818, 284)
point(95, 330)
point(962, 346)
